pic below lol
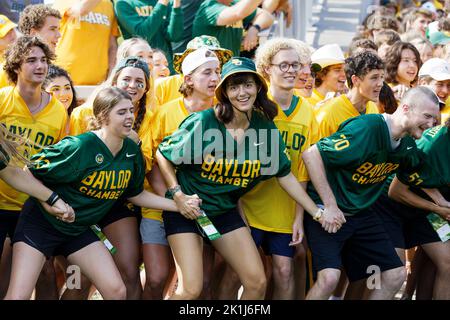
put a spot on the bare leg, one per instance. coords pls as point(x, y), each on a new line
point(439, 253)
point(208, 266)
point(228, 289)
point(26, 266)
point(356, 290)
point(300, 272)
point(238, 249)
point(342, 285)
point(327, 280)
point(5, 267)
point(46, 288)
point(107, 278)
point(187, 250)
point(158, 261)
point(82, 293)
point(124, 235)
point(391, 282)
point(426, 278)
point(283, 278)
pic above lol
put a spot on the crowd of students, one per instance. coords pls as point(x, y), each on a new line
point(210, 161)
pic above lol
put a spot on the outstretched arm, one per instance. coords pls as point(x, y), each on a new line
point(22, 180)
point(185, 203)
point(237, 12)
point(401, 193)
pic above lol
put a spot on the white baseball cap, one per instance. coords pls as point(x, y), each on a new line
point(196, 58)
point(328, 55)
point(436, 68)
point(429, 6)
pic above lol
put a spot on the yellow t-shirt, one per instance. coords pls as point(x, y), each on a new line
point(299, 130)
point(79, 119)
point(4, 81)
point(315, 98)
point(42, 129)
point(165, 122)
point(83, 47)
point(166, 89)
point(336, 111)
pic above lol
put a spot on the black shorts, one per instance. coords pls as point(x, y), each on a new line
point(35, 230)
point(121, 209)
point(360, 243)
point(407, 227)
point(175, 222)
point(273, 242)
point(8, 223)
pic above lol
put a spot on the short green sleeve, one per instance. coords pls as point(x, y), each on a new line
point(185, 145)
point(347, 146)
point(209, 14)
point(58, 163)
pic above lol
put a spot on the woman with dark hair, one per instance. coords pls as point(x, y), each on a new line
point(59, 84)
point(386, 101)
point(402, 66)
point(220, 154)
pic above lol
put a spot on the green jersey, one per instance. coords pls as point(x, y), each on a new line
point(152, 21)
point(359, 157)
point(189, 9)
point(211, 164)
point(86, 175)
point(435, 172)
point(229, 36)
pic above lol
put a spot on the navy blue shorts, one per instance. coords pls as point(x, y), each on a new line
point(407, 227)
point(8, 223)
point(360, 243)
point(175, 222)
point(121, 209)
point(35, 230)
point(273, 242)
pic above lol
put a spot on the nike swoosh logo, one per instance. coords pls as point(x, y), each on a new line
point(409, 148)
point(130, 155)
point(257, 144)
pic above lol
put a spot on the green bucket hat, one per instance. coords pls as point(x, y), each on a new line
point(198, 42)
point(234, 66)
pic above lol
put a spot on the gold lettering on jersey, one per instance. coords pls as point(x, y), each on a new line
point(144, 11)
point(34, 139)
point(230, 171)
point(369, 173)
point(96, 18)
point(432, 132)
point(101, 184)
point(237, 25)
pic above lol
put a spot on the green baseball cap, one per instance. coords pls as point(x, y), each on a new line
point(237, 65)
